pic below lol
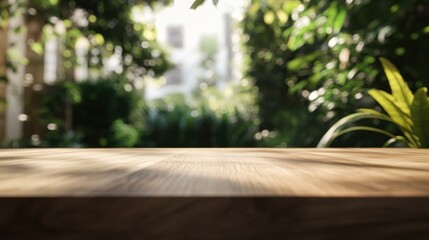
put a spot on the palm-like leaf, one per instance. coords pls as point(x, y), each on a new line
point(339, 128)
point(398, 139)
point(400, 90)
point(420, 116)
point(410, 113)
point(397, 114)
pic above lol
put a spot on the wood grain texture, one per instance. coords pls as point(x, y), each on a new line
point(214, 194)
point(214, 172)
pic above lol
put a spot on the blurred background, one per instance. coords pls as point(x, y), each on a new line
point(243, 73)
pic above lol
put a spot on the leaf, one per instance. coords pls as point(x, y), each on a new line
point(269, 17)
point(398, 116)
point(299, 62)
point(215, 2)
point(397, 139)
point(409, 134)
point(392, 139)
point(373, 112)
point(420, 116)
point(282, 16)
point(298, 86)
point(331, 134)
point(331, 14)
point(400, 90)
point(295, 42)
point(364, 128)
point(197, 3)
point(290, 5)
point(37, 47)
point(339, 20)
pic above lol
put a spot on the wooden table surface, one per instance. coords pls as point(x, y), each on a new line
point(246, 192)
point(214, 172)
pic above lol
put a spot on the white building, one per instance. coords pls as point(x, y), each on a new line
point(181, 30)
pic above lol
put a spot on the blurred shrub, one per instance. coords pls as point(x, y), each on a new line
point(122, 134)
point(174, 123)
point(104, 112)
point(52, 139)
point(101, 112)
point(110, 113)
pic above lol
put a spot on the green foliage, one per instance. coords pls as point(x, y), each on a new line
point(420, 116)
point(177, 124)
point(211, 118)
point(409, 113)
point(4, 14)
point(122, 134)
point(109, 27)
point(102, 112)
point(12, 56)
point(320, 55)
point(103, 102)
point(208, 49)
point(52, 139)
point(105, 113)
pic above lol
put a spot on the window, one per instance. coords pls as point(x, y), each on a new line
point(175, 36)
point(174, 76)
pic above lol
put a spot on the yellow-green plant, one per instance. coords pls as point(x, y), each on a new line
point(410, 113)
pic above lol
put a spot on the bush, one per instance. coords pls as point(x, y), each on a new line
point(104, 110)
point(98, 113)
point(110, 113)
point(174, 123)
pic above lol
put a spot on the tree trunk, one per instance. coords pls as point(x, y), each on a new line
point(3, 47)
point(14, 90)
point(34, 79)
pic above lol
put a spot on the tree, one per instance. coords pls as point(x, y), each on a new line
point(109, 28)
point(312, 60)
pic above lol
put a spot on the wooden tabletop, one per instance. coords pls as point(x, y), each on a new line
point(214, 193)
point(214, 172)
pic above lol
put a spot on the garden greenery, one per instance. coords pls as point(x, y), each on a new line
point(311, 60)
point(410, 113)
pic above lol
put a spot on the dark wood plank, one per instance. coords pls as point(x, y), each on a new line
point(214, 218)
